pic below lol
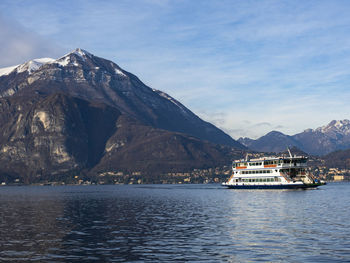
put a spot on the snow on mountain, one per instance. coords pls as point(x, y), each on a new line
point(67, 59)
point(336, 126)
point(331, 137)
point(172, 100)
point(29, 66)
point(33, 65)
point(7, 70)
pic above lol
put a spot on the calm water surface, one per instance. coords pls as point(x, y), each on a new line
point(174, 223)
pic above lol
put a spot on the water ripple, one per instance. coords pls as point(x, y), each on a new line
point(153, 223)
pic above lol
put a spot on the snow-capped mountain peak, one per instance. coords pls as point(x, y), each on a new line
point(81, 52)
point(86, 77)
point(71, 57)
point(7, 70)
point(33, 65)
point(30, 66)
point(337, 126)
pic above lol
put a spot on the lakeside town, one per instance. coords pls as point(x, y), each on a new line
point(197, 176)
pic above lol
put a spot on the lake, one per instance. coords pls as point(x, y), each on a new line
point(196, 223)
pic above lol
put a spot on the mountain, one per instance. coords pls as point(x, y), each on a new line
point(82, 113)
point(272, 142)
point(339, 159)
point(83, 75)
point(323, 140)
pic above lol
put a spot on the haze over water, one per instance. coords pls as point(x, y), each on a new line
point(174, 223)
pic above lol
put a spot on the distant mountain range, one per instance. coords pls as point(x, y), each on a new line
point(85, 113)
point(323, 140)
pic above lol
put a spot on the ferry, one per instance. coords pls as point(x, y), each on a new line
point(284, 172)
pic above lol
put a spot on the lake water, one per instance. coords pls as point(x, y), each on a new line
point(203, 223)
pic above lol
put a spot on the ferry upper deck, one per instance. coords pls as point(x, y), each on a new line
point(271, 162)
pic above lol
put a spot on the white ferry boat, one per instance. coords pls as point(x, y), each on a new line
point(272, 173)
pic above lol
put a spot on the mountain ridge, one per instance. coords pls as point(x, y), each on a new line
point(320, 141)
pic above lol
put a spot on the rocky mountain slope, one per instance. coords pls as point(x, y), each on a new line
point(84, 113)
point(323, 140)
point(339, 159)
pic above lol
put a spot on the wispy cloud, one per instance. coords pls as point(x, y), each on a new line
point(19, 44)
point(285, 63)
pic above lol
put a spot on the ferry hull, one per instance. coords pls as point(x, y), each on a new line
point(305, 186)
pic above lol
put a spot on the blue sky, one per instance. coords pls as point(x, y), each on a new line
point(249, 67)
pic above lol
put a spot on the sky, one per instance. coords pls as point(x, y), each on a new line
point(249, 67)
